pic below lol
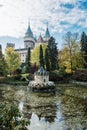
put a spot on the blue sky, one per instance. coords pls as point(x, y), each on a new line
point(62, 16)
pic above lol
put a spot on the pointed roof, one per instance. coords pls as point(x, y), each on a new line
point(47, 34)
point(29, 32)
point(35, 38)
point(40, 39)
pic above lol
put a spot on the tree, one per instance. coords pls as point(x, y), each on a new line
point(47, 63)
point(70, 44)
point(13, 59)
point(35, 54)
point(71, 56)
point(3, 65)
point(41, 59)
point(84, 47)
point(11, 118)
point(0, 51)
point(83, 41)
point(28, 60)
point(77, 59)
point(53, 53)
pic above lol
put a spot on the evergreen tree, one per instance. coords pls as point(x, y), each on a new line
point(0, 51)
point(3, 64)
point(53, 53)
point(47, 63)
point(28, 59)
point(41, 58)
point(84, 47)
point(83, 41)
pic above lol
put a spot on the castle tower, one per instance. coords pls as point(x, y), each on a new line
point(47, 35)
point(29, 41)
point(40, 40)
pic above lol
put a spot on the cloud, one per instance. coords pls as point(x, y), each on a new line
point(14, 16)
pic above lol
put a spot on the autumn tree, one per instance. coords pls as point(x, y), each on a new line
point(13, 59)
point(35, 54)
point(77, 59)
point(71, 56)
point(70, 44)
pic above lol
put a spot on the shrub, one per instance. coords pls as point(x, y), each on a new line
point(80, 75)
point(11, 118)
point(54, 76)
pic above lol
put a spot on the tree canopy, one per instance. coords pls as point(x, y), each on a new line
point(13, 59)
point(84, 47)
point(3, 65)
point(53, 54)
point(71, 56)
point(35, 54)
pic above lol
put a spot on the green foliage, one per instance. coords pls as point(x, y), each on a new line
point(47, 62)
point(24, 69)
point(13, 59)
point(70, 40)
point(34, 68)
point(80, 75)
point(53, 53)
point(70, 56)
point(35, 55)
point(75, 59)
point(28, 61)
point(62, 70)
point(41, 59)
point(84, 48)
point(55, 76)
point(3, 65)
point(83, 42)
point(11, 118)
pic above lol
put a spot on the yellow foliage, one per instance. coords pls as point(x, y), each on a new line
point(12, 58)
point(35, 53)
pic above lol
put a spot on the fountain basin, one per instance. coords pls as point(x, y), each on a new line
point(42, 86)
point(41, 81)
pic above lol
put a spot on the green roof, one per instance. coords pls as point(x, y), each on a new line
point(29, 32)
point(47, 34)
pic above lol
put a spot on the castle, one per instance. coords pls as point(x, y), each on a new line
point(30, 42)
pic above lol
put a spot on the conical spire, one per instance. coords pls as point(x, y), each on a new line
point(47, 34)
point(29, 32)
point(40, 39)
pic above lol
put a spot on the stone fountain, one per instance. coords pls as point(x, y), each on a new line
point(41, 81)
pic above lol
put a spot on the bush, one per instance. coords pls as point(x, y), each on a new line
point(80, 75)
point(54, 76)
point(30, 76)
point(11, 118)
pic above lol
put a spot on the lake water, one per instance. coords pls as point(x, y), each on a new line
point(64, 110)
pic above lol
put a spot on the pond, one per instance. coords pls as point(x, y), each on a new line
point(64, 110)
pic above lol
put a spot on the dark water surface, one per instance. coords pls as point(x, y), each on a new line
point(64, 110)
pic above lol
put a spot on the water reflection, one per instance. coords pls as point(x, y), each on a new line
point(66, 111)
point(21, 106)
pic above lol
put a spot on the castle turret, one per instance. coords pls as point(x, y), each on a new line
point(40, 40)
point(47, 35)
point(29, 38)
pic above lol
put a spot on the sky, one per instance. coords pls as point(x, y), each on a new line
point(61, 15)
